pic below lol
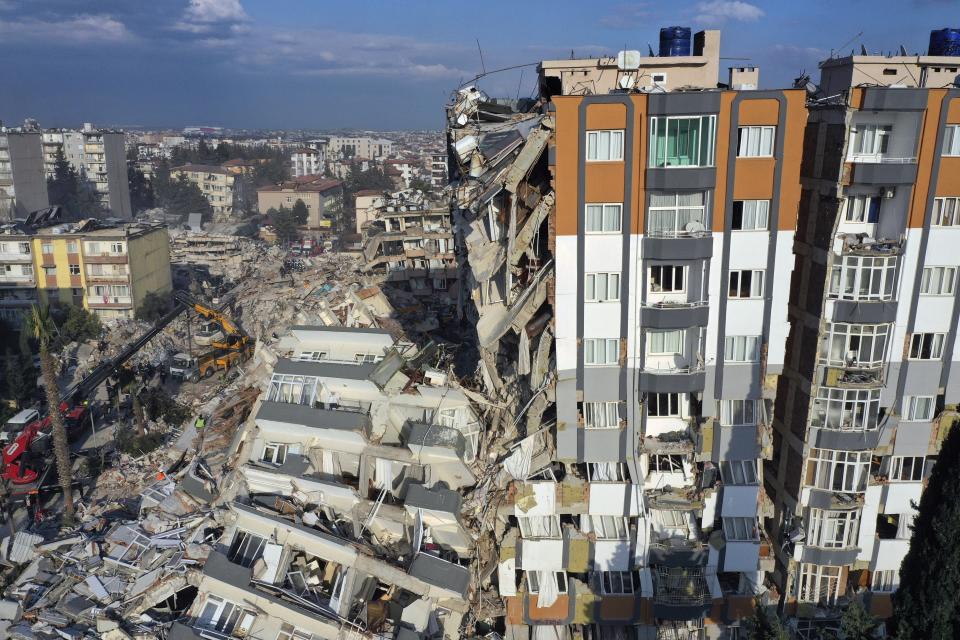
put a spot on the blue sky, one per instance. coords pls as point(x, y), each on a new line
point(374, 63)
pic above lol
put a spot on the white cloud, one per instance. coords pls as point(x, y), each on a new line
point(714, 11)
point(204, 16)
point(78, 29)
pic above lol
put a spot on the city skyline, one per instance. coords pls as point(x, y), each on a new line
point(246, 64)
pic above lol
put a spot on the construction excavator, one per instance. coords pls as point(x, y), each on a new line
point(26, 459)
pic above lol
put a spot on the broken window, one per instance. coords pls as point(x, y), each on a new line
point(863, 278)
point(600, 351)
point(918, 408)
point(606, 527)
point(854, 345)
point(671, 518)
point(608, 472)
point(938, 281)
point(536, 578)
point(830, 529)
point(276, 452)
point(600, 415)
point(667, 278)
point(819, 583)
point(927, 346)
point(245, 548)
point(833, 470)
point(844, 409)
point(741, 349)
point(603, 218)
point(600, 287)
point(663, 405)
point(605, 145)
point(225, 617)
point(676, 214)
point(746, 283)
point(616, 583)
point(738, 472)
point(682, 141)
point(289, 632)
point(667, 463)
point(750, 215)
point(906, 468)
point(755, 142)
point(539, 526)
point(741, 528)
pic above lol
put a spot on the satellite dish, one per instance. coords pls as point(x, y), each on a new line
point(625, 82)
point(694, 226)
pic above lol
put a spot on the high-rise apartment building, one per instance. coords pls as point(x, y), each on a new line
point(359, 147)
point(629, 252)
point(23, 187)
point(869, 383)
point(215, 182)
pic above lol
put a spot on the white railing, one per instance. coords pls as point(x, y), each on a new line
point(871, 158)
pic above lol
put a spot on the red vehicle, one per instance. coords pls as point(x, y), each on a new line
point(35, 439)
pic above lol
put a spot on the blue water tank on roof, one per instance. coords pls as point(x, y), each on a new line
point(675, 41)
point(943, 42)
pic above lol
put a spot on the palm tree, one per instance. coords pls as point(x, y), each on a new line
point(42, 328)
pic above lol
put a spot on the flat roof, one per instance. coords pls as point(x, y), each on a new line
point(311, 327)
point(310, 417)
point(320, 369)
point(440, 573)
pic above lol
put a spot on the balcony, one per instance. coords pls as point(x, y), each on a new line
point(106, 258)
point(108, 278)
point(679, 245)
point(880, 170)
point(16, 256)
point(678, 379)
point(109, 302)
point(17, 280)
point(674, 314)
point(681, 593)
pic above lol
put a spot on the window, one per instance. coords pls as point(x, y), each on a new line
point(886, 580)
point(738, 412)
point(606, 527)
point(607, 472)
point(50, 272)
point(854, 345)
point(666, 278)
point(951, 140)
point(667, 463)
point(846, 409)
point(314, 356)
point(860, 209)
point(600, 415)
point(938, 281)
point(755, 142)
point(600, 351)
point(833, 470)
point(906, 468)
point(671, 518)
point(746, 284)
point(750, 215)
point(945, 212)
point(863, 278)
point(741, 528)
point(74, 269)
point(738, 472)
point(741, 349)
point(274, 453)
point(676, 214)
point(539, 526)
point(600, 287)
point(605, 145)
point(684, 141)
point(871, 139)
point(833, 529)
point(926, 346)
point(603, 218)
point(617, 583)
point(918, 408)
point(46, 248)
point(72, 246)
point(819, 583)
point(225, 617)
point(293, 389)
point(663, 405)
point(289, 632)
point(245, 548)
point(117, 247)
point(668, 342)
point(534, 577)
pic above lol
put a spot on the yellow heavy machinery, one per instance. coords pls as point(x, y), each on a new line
point(231, 348)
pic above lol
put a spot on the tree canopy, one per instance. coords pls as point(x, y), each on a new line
point(178, 195)
point(71, 190)
point(927, 604)
point(141, 190)
point(153, 307)
point(300, 212)
point(284, 225)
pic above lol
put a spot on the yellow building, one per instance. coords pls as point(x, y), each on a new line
point(107, 270)
point(215, 182)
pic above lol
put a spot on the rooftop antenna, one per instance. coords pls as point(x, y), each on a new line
point(845, 43)
point(482, 65)
point(650, 50)
point(903, 51)
point(863, 50)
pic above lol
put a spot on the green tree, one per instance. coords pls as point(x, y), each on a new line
point(42, 329)
point(79, 325)
point(857, 623)
point(69, 189)
point(141, 190)
point(153, 307)
point(300, 212)
point(284, 225)
point(927, 604)
point(764, 625)
point(133, 154)
point(18, 382)
point(421, 185)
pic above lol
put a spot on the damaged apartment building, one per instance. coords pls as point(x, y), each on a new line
point(346, 519)
point(626, 253)
point(869, 388)
point(408, 247)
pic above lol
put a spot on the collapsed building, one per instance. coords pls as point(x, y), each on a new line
point(626, 251)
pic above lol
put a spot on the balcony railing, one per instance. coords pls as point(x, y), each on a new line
point(876, 158)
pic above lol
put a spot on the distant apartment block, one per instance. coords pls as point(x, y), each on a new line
point(361, 148)
point(107, 270)
point(323, 198)
point(438, 170)
point(306, 161)
point(215, 182)
point(23, 186)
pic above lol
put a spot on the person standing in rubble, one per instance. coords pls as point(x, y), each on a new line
point(199, 424)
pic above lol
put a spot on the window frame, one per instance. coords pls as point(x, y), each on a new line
point(751, 279)
point(655, 399)
point(593, 347)
point(730, 409)
point(885, 580)
point(741, 529)
point(673, 270)
point(608, 280)
point(911, 404)
point(814, 580)
point(679, 351)
point(756, 213)
point(833, 528)
point(859, 409)
point(739, 473)
point(870, 342)
point(604, 206)
point(899, 467)
point(677, 210)
point(750, 347)
point(759, 136)
point(533, 586)
point(926, 346)
point(946, 283)
point(590, 411)
point(847, 278)
point(592, 144)
point(945, 208)
point(702, 151)
point(951, 141)
point(827, 466)
point(865, 205)
point(610, 580)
